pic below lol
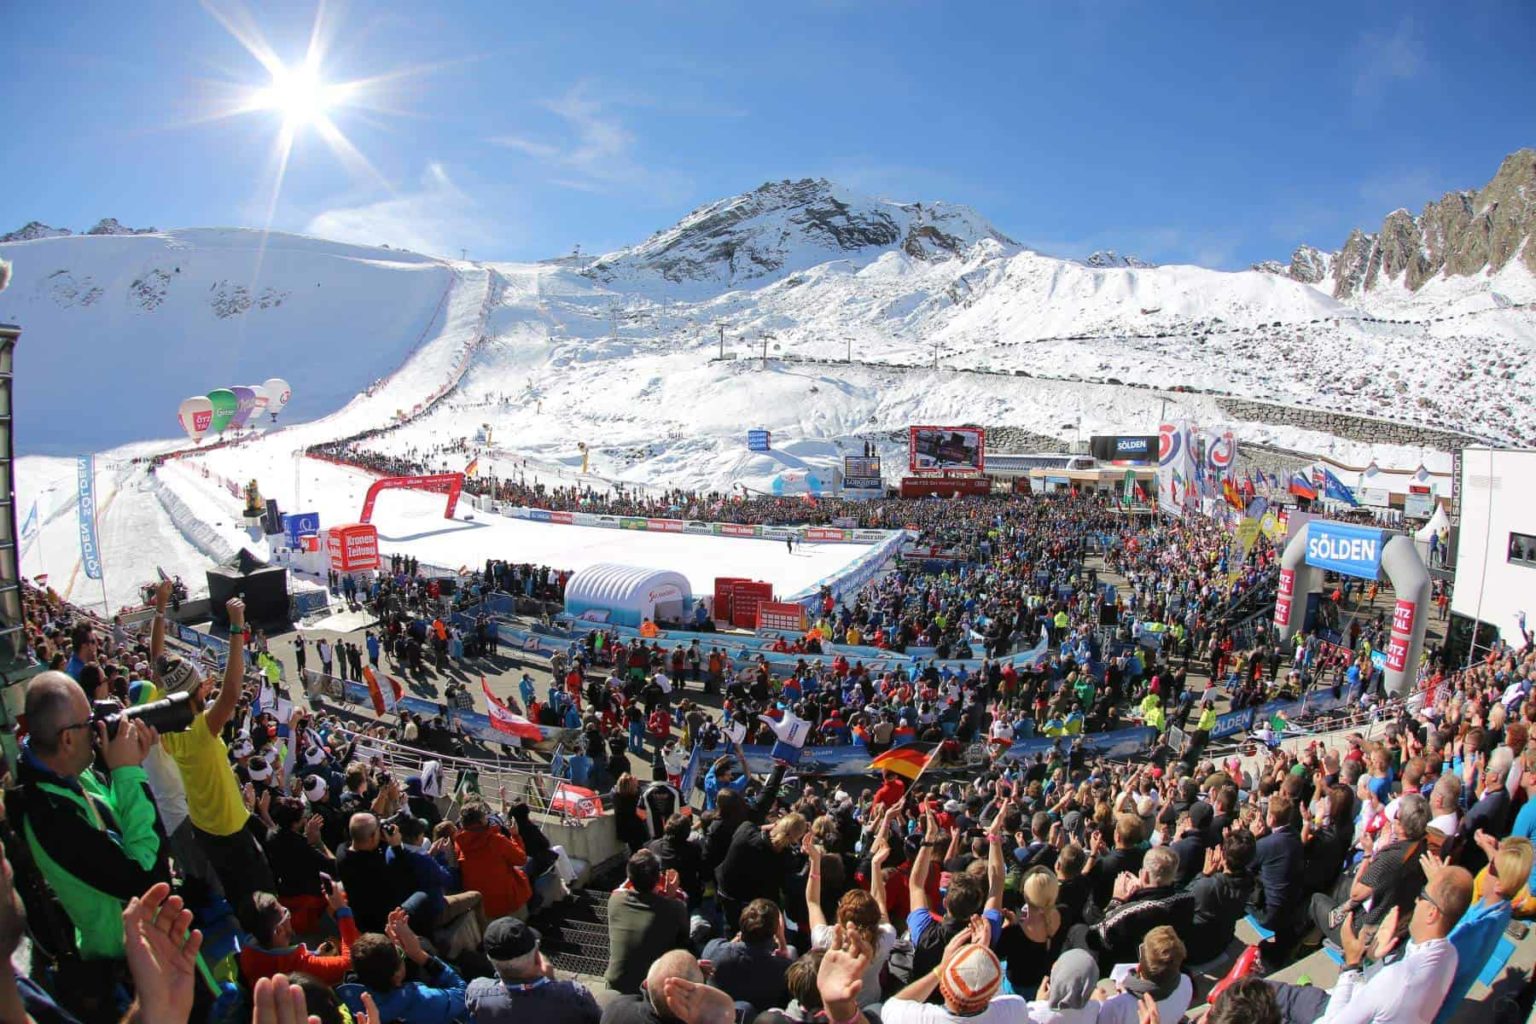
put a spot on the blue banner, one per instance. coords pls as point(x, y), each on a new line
point(1345, 548)
point(297, 524)
point(692, 774)
point(1233, 722)
point(758, 440)
point(90, 552)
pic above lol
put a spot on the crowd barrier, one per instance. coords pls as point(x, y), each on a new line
point(695, 527)
point(849, 579)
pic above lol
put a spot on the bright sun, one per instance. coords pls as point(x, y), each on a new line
point(297, 94)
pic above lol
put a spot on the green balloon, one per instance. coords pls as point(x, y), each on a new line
point(224, 405)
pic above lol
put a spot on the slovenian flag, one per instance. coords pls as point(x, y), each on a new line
point(1302, 487)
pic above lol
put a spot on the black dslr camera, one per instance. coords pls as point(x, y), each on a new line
point(168, 714)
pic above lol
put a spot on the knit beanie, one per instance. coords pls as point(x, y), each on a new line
point(970, 980)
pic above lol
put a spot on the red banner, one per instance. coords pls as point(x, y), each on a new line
point(563, 518)
point(1287, 582)
point(1397, 654)
point(823, 533)
point(1282, 612)
point(664, 526)
point(1402, 617)
point(737, 530)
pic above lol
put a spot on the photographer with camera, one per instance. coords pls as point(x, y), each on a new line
point(225, 829)
point(97, 841)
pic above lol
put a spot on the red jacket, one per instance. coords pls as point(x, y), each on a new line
point(490, 863)
point(256, 963)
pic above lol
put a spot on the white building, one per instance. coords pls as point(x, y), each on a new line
point(1496, 542)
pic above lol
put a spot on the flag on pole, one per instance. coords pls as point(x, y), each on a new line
point(473, 467)
point(385, 694)
point(907, 760)
point(1129, 490)
point(504, 719)
point(1302, 487)
point(1334, 488)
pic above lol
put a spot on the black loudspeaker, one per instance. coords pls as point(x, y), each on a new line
point(272, 519)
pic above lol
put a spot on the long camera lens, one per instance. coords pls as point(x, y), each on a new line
point(168, 714)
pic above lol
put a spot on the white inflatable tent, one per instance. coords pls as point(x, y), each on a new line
point(628, 594)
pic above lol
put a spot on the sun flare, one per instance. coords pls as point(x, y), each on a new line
point(299, 95)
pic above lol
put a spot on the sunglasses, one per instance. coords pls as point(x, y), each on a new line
point(1427, 898)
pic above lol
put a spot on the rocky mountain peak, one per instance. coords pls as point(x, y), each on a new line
point(1458, 235)
point(110, 226)
point(782, 226)
point(33, 230)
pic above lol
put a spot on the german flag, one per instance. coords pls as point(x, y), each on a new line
point(907, 760)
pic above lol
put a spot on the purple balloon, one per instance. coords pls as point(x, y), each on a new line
point(245, 404)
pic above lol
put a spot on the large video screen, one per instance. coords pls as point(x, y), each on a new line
point(935, 449)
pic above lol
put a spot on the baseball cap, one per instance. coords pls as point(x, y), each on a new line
point(507, 938)
point(1200, 815)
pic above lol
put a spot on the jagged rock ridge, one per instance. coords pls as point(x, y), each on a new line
point(1110, 258)
point(33, 230)
point(1458, 235)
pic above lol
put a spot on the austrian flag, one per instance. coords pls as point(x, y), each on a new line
point(504, 719)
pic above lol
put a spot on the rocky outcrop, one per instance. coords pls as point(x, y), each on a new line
point(1457, 235)
point(1110, 258)
point(110, 226)
point(33, 230)
point(793, 225)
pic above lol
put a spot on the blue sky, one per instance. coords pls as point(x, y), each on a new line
point(1220, 135)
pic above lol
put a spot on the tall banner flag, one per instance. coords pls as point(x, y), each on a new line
point(1129, 490)
point(1247, 534)
point(1175, 467)
point(504, 719)
point(90, 551)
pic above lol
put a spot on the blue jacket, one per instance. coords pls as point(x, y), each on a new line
point(416, 1002)
point(1475, 937)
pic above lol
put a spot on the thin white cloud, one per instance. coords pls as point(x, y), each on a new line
point(595, 151)
point(1384, 60)
point(438, 218)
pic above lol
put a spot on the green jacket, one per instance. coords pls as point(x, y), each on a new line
point(97, 844)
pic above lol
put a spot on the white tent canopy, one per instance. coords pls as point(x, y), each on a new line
point(628, 594)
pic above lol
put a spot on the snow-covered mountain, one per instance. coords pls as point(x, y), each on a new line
point(1461, 235)
point(785, 226)
point(841, 318)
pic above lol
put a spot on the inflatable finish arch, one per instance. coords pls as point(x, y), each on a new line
point(1363, 553)
point(452, 483)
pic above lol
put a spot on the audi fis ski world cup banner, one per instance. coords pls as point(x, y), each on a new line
point(759, 440)
point(937, 449)
point(90, 551)
point(1345, 548)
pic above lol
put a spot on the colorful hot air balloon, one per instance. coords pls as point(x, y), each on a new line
point(278, 394)
point(224, 407)
point(195, 415)
point(262, 400)
point(245, 404)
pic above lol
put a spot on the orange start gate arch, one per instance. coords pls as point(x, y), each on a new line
point(451, 483)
